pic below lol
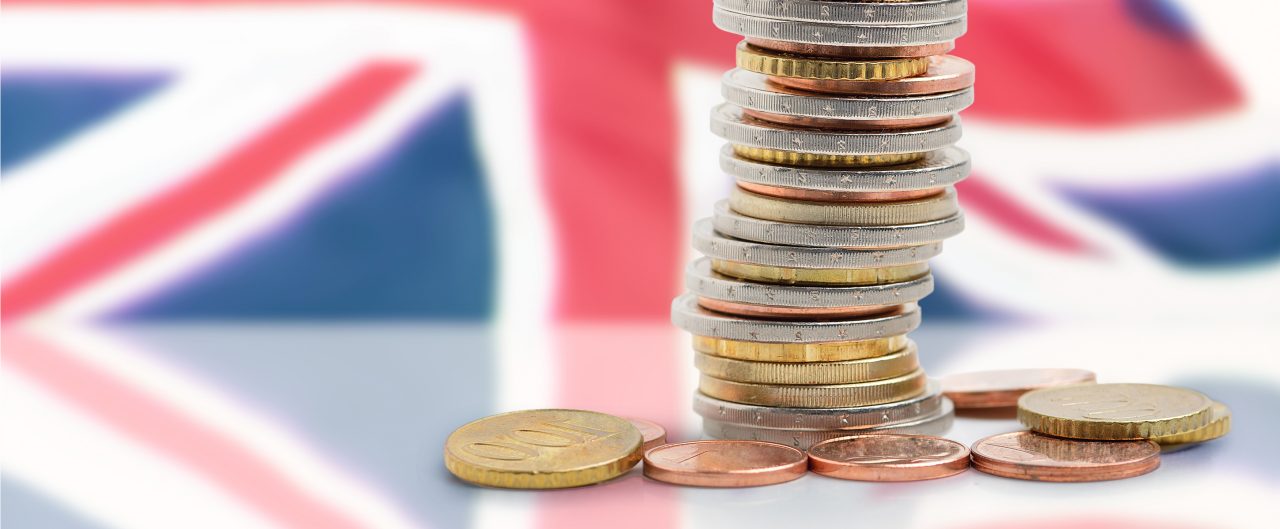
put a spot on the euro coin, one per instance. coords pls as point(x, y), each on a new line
point(1114, 411)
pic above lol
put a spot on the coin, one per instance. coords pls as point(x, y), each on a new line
point(1217, 427)
point(849, 420)
point(852, 52)
point(820, 276)
point(1031, 456)
point(845, 372)
point(798, 352)
point(937, 423)
point(838, 196)
point(838, 34)
point(753, 91)
point(687, 315)
point(935, 169)
point(709, 285)
point(945, 73)
point(543, 449)
point(891, 245)
point(1114, 411)
point(915, 12)
point(780, 64)
point(809, 159)
point(888, 457)
point(906, 212)
point(652, 433)
point(725, 463)
point(1001, 388)
point(816, 396)
point(728, 122)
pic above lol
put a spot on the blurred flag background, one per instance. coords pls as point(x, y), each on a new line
point(241, 237)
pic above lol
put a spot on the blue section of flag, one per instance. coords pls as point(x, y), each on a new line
point(26, 507)
point(945, 303)
point(1229, 220)
point(1162, 16)
point(41, 109)
point(410, 235)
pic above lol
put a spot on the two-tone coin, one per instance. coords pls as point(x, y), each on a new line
point(934, 424)
point(687, 315)
point(723, 293)
point(777, 143)
point(891, 244)
point(932, 208)
point(935, 170)
point(838, 34)
point(845, 12)
point(849, 419)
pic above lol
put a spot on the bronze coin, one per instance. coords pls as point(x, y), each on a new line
point(847, 124)
point(752, 310)
point(888, 457)
point(725, 463)
point(652, 433)
point(1001, 388)
point(1031, 456)
point(946, 73)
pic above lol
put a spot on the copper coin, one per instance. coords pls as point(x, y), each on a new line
point(847, 124)
point(725, 463)
point(1001, 388)
point(946, 73)
point(752, 310)
point(888, 457)
point(853, 52)
point(652, 433)
point(1031, 456)
point(838, 196)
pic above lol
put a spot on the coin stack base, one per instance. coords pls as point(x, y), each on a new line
point(841, 123)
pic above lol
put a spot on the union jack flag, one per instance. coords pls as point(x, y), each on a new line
point(261, 257)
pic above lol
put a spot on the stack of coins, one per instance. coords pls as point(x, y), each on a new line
point(840, 120)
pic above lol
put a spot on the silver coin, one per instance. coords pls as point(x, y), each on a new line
point(833, 34)
point(939, 168)
point(701, 280)
point(843, 12)
point(718, 246)
point(753, 91)
point(820, 419)
point(687, 315)
point(936, 424)
point(891, 239)
point(728, 122)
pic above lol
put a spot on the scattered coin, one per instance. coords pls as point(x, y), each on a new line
point(888, 457)
point(1217, 427)
point(652, 433)
point(1001, 388)
point(1114, 411)
point(1031, 456)
point(725, 463)
point(543, 449)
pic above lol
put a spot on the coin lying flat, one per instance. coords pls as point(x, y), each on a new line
point(1031, 456)
point(845, 372)
point(729, 122)
point(823, 160)
point(852, 52)
point(543, 449)
point(700, 279)
point(839, 34)
point(652, 433)
point(871, 14)
point(1114, 411)
point(782, 64)
point(725, 463)
point(945, 73)
point(686, 314)
point(736, 237)
point(751, 90)
point(902, 213)
point(935, 169)
point(816, 396)
point(849, 420)
point(937, 423)
point(799, 352)
point(889, 457)
point(1217, 427)
point(1001, 388)
point(784, 275)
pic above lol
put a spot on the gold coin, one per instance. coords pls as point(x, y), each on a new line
point(1217, 427)
point(821, 276)
point(1114, 411)
point(816, 396)
point(898, 213)
point(807, 159)
point(781, 64)
point(543, 449)
point(846, 372)
point(799, 352)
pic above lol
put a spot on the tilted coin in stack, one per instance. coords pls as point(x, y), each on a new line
point(840, 122)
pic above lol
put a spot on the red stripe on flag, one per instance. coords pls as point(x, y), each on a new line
point(170, 431)
point(222, 185)
point(978, 196)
